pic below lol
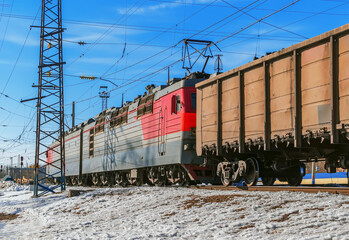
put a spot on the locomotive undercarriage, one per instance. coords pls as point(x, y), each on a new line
point(175, 174)
point(283, 162)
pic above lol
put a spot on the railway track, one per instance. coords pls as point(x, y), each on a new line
point(333, 190)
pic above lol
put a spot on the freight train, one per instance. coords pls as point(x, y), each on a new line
point(265, 119)
point(270, 116)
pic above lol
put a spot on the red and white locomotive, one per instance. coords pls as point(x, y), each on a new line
point(149, 140)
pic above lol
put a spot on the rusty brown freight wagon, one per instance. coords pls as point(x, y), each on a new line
point(266, 118)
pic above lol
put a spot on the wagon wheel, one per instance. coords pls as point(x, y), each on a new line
point(268, 181)
point(225, 181)
point(296, 178)
point(252, 172)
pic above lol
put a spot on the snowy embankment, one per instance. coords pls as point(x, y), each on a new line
point(175, 213)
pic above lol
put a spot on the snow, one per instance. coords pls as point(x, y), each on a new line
point(173, 213)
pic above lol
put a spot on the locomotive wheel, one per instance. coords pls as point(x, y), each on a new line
point(268, 181)
point(95, 179)
point(252, 172)
point(131, 181)
point(103, 179)
point(184, 179)
point(173, 174)
point(118, 178)
point(73, 181)
point(79, 181)
point(152, 175)
point(111, 179)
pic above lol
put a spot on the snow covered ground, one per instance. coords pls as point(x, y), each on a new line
point(172, 213)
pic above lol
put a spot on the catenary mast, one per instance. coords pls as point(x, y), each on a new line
point(50, 104)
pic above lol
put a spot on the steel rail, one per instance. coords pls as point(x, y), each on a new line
point(305, 189)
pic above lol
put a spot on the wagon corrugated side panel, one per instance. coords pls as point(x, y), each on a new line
point(297, 91)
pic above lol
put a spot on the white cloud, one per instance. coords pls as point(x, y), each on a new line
point(147, 9)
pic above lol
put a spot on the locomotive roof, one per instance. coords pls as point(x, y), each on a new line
point(159, 91)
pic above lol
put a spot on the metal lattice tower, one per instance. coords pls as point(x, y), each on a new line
point(104, 94)
point(50, 105)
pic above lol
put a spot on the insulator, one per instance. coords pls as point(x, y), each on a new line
point(49, 74)
point(49, 45)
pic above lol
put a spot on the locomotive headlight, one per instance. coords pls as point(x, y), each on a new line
point(187, 147)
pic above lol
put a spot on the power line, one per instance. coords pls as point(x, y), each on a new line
point(107, 32)
point(164, 68)
point(156, 54)
point(184, 20)
point(13, 99)
point(8, 21)
point(19, 55)
point(246, 13)
point(289, 24)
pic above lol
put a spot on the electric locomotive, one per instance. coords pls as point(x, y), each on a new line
point(150, 140)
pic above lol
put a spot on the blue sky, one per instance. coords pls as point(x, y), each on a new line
point(148, 27)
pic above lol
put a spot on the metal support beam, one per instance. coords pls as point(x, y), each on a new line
point(242, 112)
point(219, 117)
point(267, 123)
point(297, 100)
point(334, 55)
point(50, 159)
point(73, 115)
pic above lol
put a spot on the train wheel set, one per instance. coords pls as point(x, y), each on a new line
point(158, 176)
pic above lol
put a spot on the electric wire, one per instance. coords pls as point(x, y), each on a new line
point(182, 21)
point(294, 22)
point(223, 39)
point(175, 45)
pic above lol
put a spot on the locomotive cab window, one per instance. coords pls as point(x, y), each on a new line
point(176, 104)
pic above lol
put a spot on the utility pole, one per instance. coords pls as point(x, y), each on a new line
point(104, 95)
point(73, 115)
point(50, 103)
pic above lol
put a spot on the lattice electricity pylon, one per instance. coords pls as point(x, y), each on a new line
point(50, 159)
point(187, 53)
point(104, 94)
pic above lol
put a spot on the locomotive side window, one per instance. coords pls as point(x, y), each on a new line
point(100, 125)
point(175, 104)
point(178, 103)
point(119, 116)
point(193, 101)
point(91, 146)
point(145, 105)
point(124, 115)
